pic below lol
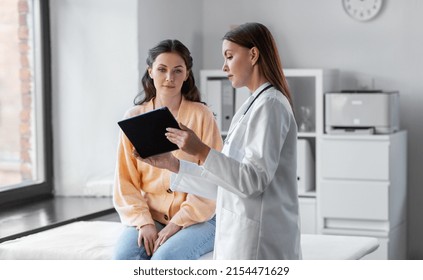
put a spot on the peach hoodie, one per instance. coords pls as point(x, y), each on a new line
point(141, 192)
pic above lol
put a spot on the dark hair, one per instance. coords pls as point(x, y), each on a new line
point(189, 90)
point(257, 35)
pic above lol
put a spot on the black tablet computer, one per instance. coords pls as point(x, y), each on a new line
point(147, 132)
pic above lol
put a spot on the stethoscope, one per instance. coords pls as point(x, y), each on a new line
point(243, 115)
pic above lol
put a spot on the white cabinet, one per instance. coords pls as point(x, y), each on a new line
point(362, 189)
point(307, 88)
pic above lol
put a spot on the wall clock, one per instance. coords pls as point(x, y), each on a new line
point(362, 10)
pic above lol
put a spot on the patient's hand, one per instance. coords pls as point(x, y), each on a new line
point(169, 230)
point(147, 235)
point(164, 161)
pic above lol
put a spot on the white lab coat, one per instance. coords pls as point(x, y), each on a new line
point(254, 181)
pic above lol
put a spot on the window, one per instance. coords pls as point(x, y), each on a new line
point(25, 101)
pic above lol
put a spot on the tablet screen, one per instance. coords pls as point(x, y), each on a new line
point(147, 132)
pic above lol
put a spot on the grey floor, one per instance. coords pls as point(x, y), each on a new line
point(21, 220)
point(113, 217)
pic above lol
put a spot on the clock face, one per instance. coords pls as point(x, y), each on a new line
point(362, 10)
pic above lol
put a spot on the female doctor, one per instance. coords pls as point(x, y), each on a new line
point(254, 178)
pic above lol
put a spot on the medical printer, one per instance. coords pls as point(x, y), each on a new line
point(361, 112)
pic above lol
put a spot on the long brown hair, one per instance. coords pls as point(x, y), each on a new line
point(253, 34)
point(189, 90)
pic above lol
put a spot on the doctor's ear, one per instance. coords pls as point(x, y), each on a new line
point(254, 54)
point(149, 72)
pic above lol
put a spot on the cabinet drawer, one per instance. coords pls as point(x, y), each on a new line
point(355, 159)
point(357, 200)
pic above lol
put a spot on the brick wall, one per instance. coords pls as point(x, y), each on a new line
point(16, 93)
point(25, 76)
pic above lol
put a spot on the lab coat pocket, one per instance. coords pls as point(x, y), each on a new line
point(238, 238)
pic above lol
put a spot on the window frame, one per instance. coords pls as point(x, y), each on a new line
point(42, 190)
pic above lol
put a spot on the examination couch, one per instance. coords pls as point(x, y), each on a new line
point(86, 240)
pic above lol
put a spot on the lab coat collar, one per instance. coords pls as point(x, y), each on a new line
point(259, 89)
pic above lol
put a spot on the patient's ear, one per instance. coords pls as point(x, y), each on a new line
point(149, 72)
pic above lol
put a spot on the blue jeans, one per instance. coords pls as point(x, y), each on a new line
point(187, 244)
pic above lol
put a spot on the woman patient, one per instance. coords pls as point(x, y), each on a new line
point(162, 224)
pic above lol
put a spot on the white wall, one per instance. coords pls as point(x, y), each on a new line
point(94, 65)
point(163, 19)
